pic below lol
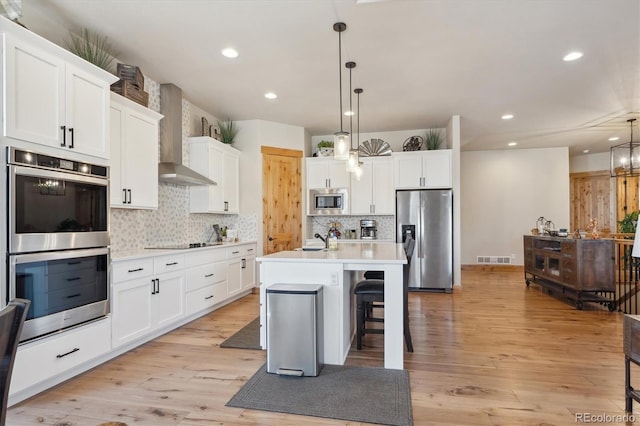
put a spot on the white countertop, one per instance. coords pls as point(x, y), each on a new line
point(362, 252)
point(146, 252)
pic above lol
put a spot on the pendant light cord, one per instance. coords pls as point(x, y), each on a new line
point(340, 73)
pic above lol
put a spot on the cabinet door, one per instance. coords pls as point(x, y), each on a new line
point(317, 174)
point(140, 160)
point(117, 194)
point(436, 168)
point(132, 312)
point(407, 170)
point(361, 193)
point(34, 94)
point(338, 175)
point(248, 273)
point(231, 183)
point(169, 298)
point(382, 191)
point(87, 106)
point(234, 269)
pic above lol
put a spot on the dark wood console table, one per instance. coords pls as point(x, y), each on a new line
point(582, 269)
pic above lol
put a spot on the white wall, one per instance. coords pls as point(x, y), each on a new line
point(504, 194)
point(589, 162)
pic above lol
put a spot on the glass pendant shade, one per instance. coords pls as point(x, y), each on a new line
point(358, 171)
point(352, 161)
point(341, 145)
point(625, 158)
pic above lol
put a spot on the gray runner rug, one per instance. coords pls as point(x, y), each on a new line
point(246, 338)
point(359, 394)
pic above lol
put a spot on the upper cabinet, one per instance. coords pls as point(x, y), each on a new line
point(134, 154)
point(53, 98)
point(422, 169)
point(327, 173)
point(220, 163)
point(374, 193)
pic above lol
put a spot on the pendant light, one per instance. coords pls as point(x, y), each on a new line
point(625, 158)
point(352, 160)
point(341, 140)
point(358, 168)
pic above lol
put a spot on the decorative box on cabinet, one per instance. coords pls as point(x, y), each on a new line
point(53, 98)
point(220, 163)
point(422, 169)
point(206, 279)
point(373, 194)
point(147, 294)
point(582, 269)
point(327, 173)
point(134, 154)
point(42, 360)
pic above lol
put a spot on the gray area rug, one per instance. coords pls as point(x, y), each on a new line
point(247, 338)
point(359, 394)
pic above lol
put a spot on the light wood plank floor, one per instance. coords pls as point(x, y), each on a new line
point(492, 353)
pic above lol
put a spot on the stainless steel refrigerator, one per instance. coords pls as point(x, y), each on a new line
point(427, 215)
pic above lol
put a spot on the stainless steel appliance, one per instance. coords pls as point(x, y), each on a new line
point(55, 204)
point(368, 229)
point(328, 201)
point(57, 224)
point(427, 215)
point(66, 288)
point(294, 329)
point(184, 246)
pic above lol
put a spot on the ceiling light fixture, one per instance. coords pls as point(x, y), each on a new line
point(270, 95)
point(572, 56)
point(613, 139)
point(341, 141)
point(352, 160)
point(625, 158)
point(507, 116)
point(512, 143)
point(585, 151)
point(230, 52)
point(358, 170)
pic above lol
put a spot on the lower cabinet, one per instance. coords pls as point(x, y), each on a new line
point(149, 302)
point(241, 268)
point(46, 358)
point(206, 280)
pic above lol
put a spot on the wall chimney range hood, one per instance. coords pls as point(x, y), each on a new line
point(170, 168)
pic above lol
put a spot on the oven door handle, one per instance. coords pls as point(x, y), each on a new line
point(51, 174)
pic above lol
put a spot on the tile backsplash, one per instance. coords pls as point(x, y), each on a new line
point(320, 225)
point(172, 222)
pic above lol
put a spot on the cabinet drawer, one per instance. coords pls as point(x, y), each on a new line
point(46, 358)
point(201, 299)
point(202, 257)
point(132, 269)
point(172, 262)
point(205, 275)
point(241, 251)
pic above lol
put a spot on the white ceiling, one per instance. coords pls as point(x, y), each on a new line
point(419, 62)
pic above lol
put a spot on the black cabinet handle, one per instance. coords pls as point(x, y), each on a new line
point(77, 262)
point(208, 297)
point(64, 135)
point(71, 296)
point(171, 264)
point(226, 206)
point(153, 283)
point(236, 252)
point(68, 353)
point(244, 263)
point(208, 275)
point(73, 279)
point(129, 192)
point(124, 196)
point(158, 282)
point(71, 133)
point(136, 270)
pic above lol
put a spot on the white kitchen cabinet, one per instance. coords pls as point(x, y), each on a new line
point(422, 169)
point(153, 299)
point(53, 98)
point(241, 268)
point(374, 193)
point(51, 356)
point(327, 173)
point(220, 163)
point(206, 277)
point(134, 155)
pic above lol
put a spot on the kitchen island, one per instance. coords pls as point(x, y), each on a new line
point(337, 271)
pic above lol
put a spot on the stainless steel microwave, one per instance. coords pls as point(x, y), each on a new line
point(328, 201)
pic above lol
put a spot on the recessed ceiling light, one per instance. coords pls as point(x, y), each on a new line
point(270, 95)
point(615, 138)
point(512, 143)
point(230, 52)
point(349, 113)
point(572, 56)
point(585, 151)
point(507, 117)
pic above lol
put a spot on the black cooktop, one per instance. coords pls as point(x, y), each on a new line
point(182, 246)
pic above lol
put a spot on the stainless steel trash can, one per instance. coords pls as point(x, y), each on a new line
point(294, 329)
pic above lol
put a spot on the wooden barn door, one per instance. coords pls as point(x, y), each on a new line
point(281, 199)
point(627, 196)
point(590, 194)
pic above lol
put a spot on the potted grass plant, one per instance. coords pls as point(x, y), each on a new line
point(433, 139)
point(92, 48)
point(228, 131)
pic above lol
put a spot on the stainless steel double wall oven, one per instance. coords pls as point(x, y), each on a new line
point(57, 240)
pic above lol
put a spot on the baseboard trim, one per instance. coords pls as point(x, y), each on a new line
point(493, 268)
